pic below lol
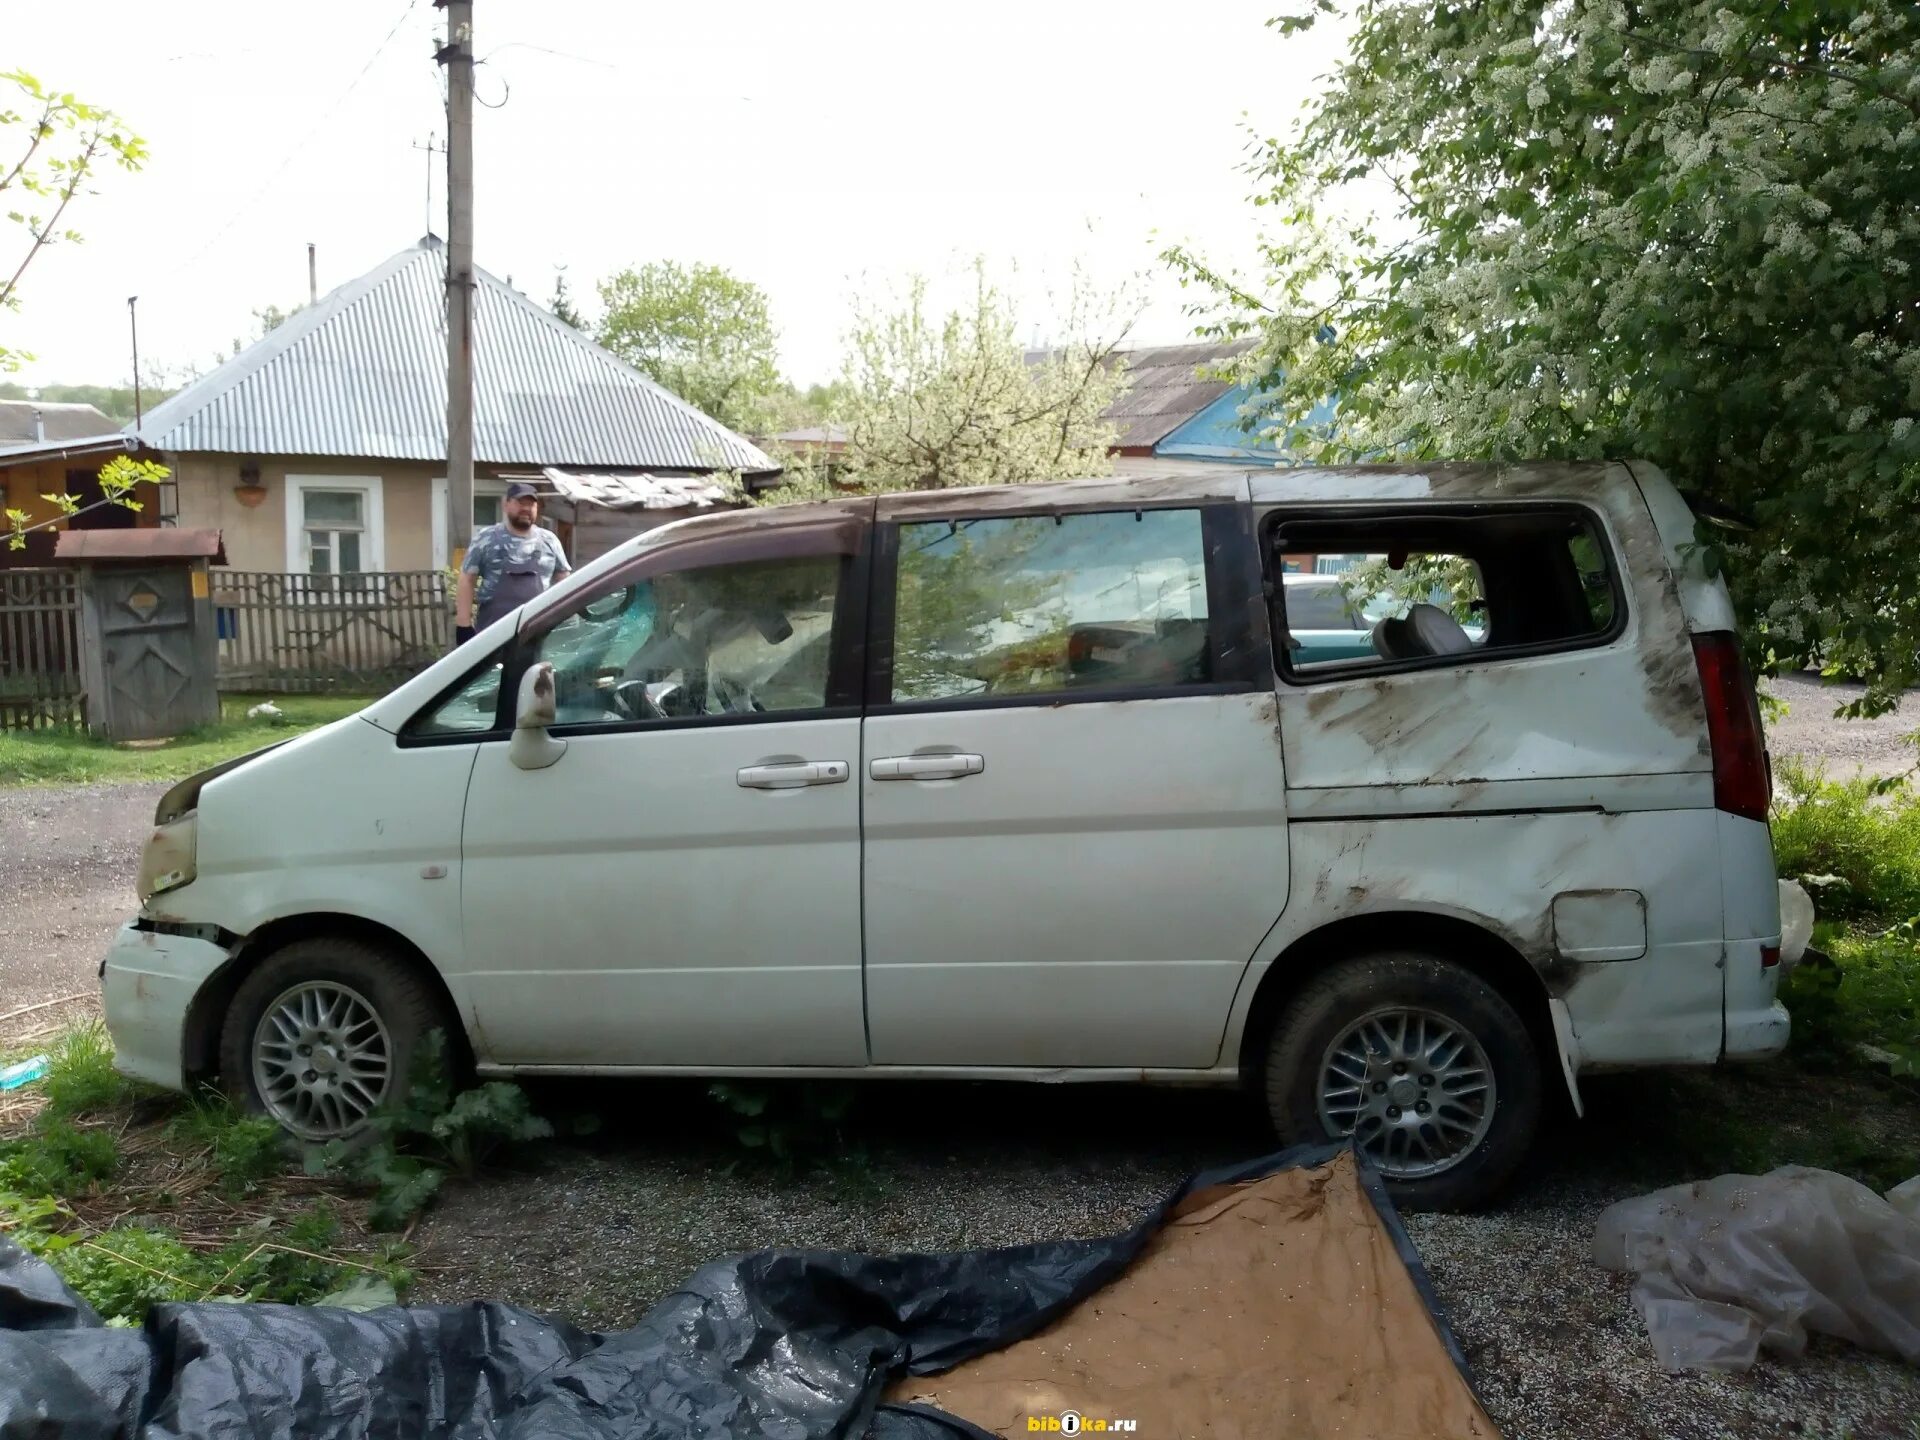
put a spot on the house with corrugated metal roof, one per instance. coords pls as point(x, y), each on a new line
point(1182, 409)
point(321, 448)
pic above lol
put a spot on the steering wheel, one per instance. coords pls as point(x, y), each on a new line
point(635, 703)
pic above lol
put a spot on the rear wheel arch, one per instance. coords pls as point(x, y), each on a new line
point(207, 1015)
point(1447, 937)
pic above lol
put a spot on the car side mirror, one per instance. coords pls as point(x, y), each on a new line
point(532, 747)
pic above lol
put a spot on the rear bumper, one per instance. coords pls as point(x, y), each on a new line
point(1757, 1034)
point(147, 985)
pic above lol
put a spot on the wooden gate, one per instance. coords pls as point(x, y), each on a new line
point(149, 649)
point(42, 682)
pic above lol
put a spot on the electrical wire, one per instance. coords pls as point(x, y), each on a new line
point(293, 152)
point(506, 92)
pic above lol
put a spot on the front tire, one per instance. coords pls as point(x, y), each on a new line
point(324, 1032)
point(1424, 1063)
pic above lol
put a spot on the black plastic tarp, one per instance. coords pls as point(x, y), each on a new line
point(784, 1344)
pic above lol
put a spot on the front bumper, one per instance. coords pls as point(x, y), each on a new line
point(147, 984)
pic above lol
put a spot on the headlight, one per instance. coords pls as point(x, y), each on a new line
point(167, 860)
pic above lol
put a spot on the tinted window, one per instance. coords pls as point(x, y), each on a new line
point(1032, 605)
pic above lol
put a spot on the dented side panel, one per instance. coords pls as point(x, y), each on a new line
point(1502, 873)
point(1629, 708)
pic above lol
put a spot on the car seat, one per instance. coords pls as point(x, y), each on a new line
point(1424, 630)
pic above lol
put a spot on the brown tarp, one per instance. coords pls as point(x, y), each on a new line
point(1279, 1307)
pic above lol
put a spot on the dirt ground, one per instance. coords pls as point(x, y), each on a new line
point(599, 1228)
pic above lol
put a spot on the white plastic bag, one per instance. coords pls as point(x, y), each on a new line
point(1796, 922)
point(1730, 1265)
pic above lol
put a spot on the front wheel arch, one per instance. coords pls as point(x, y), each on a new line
point(207, 1015)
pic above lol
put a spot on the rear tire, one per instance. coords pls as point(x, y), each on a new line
point(1424, 1062)
point(323, 1032)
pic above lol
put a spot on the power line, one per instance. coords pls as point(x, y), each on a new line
point(293, 153)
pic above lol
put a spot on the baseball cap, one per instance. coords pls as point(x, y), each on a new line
point(520, 490)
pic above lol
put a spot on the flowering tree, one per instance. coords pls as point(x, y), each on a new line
point(935, 402)
point(1684, 231)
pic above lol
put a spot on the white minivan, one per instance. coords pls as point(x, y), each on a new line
point(1030, 783)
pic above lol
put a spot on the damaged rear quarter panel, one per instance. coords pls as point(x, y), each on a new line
point(1631, 707)
point(1501, 874)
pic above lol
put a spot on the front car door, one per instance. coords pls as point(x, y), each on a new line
point(1075, 805)
point(682, 886)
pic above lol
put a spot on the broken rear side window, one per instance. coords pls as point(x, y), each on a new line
point(1362, 593)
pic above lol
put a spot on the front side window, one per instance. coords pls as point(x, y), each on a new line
point(467, 711)
point(1436, 586)
point(335, 524)
point(1026, 605)
point(725, 640)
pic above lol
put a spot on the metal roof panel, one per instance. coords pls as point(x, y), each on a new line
point(363, 373)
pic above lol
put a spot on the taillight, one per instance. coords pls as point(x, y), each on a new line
point(1741, 785)
point(1769, 956)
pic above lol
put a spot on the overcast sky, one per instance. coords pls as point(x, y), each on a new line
point(814, 149)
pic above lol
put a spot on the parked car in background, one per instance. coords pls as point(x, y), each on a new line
point(1325, 623)
point(1021, 784)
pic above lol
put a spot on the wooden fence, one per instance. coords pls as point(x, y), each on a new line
point(41, 684)
point(357, 634)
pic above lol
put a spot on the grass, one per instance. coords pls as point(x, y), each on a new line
point(245, 1150)
point(136, 1197)
point(81, 1079)
point(1858, 851)
point(1862, 849)
point(66, 757)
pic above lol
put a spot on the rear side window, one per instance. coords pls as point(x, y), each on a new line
point(1437, 586)
point(1013, 606)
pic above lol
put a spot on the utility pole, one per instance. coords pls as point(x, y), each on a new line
point(133, 324)
point(457, 56)
point(313, 275)
point(433, 147)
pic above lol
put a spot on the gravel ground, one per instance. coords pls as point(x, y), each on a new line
point(600, 1229)
point(1810, 731)
point(66, 884)
point(599, 1232)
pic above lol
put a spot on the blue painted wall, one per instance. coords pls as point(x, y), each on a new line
point(1215, 433)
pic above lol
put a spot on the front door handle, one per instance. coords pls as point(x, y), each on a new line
point(926, 767)
point(793, 775)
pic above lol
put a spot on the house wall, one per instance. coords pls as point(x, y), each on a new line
point(23, 486)
point(256, 536)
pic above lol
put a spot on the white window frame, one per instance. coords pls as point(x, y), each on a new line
point(442, 553)
point(373, 510)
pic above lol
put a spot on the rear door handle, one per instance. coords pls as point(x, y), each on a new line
point(793, 775)
point(926, 767)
